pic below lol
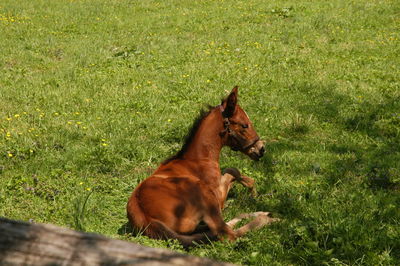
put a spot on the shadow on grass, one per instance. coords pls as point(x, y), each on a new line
point(377, 123)
point(339, 218)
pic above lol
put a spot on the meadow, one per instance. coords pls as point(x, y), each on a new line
point(95, 94)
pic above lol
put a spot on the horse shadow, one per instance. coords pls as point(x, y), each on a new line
point(126, 229)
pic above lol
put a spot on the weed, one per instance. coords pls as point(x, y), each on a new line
point(79, 211)
point(296, 124)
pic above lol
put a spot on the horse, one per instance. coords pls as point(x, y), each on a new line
point(184, 197)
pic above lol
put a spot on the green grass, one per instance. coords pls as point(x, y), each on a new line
point(95, 94)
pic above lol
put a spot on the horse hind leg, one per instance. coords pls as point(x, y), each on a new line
point(218, 227)
point(242, 216)
point(260, 220)
point(158, 230)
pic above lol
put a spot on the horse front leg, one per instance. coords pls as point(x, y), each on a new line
point(249, 183)
point(226, 182)
point(260, 219)
point(246, 181)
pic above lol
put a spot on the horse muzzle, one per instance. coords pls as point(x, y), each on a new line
point(256, 151)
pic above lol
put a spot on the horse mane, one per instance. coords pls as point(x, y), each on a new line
point(190, 135)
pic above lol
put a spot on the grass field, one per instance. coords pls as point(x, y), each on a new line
point(95, 94)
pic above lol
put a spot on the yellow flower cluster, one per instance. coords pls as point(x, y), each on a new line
point(87, 189)
point(104, 143)
point(18, 127)
point(8, 18)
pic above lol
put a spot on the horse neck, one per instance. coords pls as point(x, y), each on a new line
point(207, 143)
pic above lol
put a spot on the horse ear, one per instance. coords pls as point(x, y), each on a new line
point(230, 102)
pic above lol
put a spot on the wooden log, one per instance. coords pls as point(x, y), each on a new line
point(23, 243)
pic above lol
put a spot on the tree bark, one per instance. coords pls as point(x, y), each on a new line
point(23, 243)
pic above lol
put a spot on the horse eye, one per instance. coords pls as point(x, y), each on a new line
point(245, 126)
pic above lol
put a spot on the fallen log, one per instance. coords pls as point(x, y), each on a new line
point(24, 243)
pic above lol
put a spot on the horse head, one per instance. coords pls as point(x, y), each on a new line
point(239, 133)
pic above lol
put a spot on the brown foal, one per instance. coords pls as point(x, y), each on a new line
point(188, 189)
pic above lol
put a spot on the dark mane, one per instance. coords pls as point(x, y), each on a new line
point(190, 136)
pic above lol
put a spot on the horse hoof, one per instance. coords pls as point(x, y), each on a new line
point(232, 171)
